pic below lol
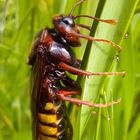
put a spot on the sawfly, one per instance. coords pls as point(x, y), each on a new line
point(51, 59)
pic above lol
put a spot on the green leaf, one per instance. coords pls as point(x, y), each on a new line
point(100, 56)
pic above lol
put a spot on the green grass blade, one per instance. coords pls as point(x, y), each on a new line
point(100, 55)
point(134, 130)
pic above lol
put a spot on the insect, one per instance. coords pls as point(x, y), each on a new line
point(51, 57)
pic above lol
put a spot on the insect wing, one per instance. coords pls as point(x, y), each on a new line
point(36, 84)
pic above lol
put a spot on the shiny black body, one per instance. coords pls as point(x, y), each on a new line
point(50, 48)
point(51, 58)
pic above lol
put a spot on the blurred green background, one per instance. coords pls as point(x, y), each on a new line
point(20, 20)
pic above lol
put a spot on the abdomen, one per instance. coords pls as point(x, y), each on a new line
point(53, 123)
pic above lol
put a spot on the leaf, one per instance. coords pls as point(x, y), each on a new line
point(100, 56)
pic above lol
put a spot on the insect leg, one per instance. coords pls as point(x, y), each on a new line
point(73, 70)
point(80, 72)
point(90, 38)
point(66, 93)
point(87, 103)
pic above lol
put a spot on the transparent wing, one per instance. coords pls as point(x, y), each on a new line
point(35, 89)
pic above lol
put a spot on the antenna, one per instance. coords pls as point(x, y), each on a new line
point(109, 21)
point(75, 5)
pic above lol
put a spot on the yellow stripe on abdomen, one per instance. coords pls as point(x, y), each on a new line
point(47, 130)
point(47, 118)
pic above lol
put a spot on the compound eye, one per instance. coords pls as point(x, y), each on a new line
point(68, 21)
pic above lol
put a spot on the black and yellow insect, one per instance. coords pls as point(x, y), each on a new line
point(51, 57)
